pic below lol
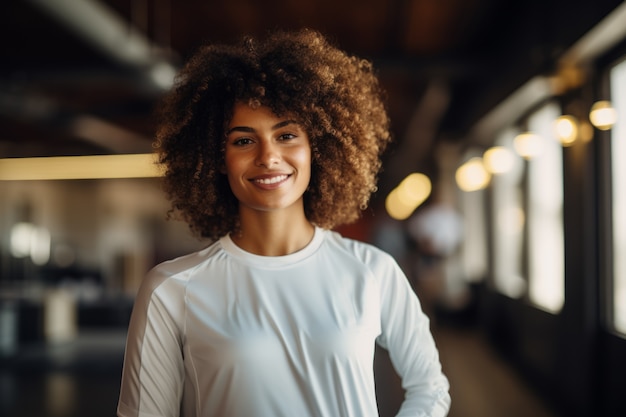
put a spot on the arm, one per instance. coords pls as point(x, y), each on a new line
point(406, 335)
point(152, 378)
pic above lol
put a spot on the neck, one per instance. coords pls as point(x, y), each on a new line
point(273, 234)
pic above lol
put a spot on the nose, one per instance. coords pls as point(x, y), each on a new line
point(268, 154)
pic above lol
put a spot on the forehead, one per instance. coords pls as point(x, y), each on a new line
point(243, 111)
point(261, 116)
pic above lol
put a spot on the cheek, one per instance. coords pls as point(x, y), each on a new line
point(304, 160)
point(232, 164)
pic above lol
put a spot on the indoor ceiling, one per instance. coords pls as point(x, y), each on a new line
point(82, 76)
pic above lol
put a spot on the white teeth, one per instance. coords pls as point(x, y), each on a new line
point(272, 180)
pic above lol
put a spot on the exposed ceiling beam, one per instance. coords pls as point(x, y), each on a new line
point(99, 25)
point(598, 40)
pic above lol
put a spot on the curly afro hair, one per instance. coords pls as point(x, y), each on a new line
point(335, 97)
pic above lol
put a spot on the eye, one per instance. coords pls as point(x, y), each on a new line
point(242, 141)
point(286, 136)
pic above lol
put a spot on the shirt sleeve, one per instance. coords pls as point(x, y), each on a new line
point(406, 335)
point(153, 373)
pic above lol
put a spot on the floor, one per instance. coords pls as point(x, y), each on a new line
point(82, 379)
point(481, 383)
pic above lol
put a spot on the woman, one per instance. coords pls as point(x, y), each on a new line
point(267, 145)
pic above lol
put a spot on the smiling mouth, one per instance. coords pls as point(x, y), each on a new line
point(272, 180)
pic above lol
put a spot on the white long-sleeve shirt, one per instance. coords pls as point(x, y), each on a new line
point(226, 333)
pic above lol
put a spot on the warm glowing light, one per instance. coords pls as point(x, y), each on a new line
point(408, 195)
point(603, 115)
point(472, 175)
point(585, 131)
point(79, 167)
point(528, 145)
point(395, 207)
point(566, 129)
point(415, 188)
point(498, 160)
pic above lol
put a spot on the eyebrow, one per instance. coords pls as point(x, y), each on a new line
point(247, 129)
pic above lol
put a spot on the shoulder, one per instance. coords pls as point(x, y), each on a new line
point(176, 273)
point(362, 251)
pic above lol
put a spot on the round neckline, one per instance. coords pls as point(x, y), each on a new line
point(250, 258)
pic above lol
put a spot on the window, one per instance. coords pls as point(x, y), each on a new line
point(474, 254)
point(546, 265)
point(618, 196)
point(508, 224)
point(527, 207)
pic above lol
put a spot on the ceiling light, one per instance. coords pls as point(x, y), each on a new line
point(528, 145)
point(408, 195)
point(472, 175)
point(603, 115)
point(498, 160)
point(566, 129)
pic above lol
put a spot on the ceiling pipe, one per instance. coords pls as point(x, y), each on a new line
point(99, 25)
point(599, 40)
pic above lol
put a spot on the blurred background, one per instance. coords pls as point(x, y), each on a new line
point(503, 196)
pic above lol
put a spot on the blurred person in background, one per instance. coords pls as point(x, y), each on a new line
point(267, 145)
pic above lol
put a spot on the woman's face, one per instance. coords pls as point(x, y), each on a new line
point(267, 159)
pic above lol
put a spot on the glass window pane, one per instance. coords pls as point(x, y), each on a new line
point(546, 266)
point(508, 224)
point(474, 256)
point(618, 151)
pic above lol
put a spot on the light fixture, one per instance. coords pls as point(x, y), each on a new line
point(498, 159)
point(566, 129)
point(402, 201)
point(603, 115)
point(26, 239)
point(472, 175)
point(79, 167)
point(528, 145)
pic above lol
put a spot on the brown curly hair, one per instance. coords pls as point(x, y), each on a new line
point(335, 97)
